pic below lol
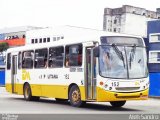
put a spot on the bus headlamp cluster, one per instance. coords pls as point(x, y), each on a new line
point(146, 85)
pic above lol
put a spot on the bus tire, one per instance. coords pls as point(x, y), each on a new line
point(28, 94)
point(117, 103)
point(75, 97)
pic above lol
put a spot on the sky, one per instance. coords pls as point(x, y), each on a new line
point(48, 13)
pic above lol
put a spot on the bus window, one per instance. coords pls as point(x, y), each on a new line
point(56, 57)
point(40, 40)
point(48, 39)
point(8, 61)
point(44, 40)
point(73, 55)
point(27, 59)
point(19, 60)
point(32, 41)
point(41, 56)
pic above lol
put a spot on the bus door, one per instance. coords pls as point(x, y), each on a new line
point(90, 74)
point(14, 73)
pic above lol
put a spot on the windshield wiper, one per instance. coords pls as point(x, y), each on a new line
point(119, 53)
point(132, 55)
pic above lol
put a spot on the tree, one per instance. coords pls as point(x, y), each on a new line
point(3, 47)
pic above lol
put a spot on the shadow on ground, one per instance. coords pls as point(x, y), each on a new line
point(87, 106)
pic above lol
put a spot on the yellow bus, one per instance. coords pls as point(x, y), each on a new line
point(90, 66)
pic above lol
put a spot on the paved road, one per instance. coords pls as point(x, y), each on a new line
point(15, 104)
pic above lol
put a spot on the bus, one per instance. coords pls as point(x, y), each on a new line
point(96, 66)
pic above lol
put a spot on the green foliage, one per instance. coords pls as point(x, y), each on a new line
point(3, 46)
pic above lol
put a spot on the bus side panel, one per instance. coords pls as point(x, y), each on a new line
point(55, 91)
point(83, 93)
point(8, 81)
point(36, 90)
point(9, 87)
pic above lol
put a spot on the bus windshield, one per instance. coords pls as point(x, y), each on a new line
point(125, 62)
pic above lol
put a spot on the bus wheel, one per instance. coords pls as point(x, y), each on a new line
point(75, 97)
point(117, 103)
point(27, 92)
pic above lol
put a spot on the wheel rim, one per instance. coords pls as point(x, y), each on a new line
point(27, 92)
point(76, 96)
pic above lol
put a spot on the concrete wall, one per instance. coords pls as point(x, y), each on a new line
point(136, 25)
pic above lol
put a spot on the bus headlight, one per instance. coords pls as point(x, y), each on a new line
point(105, 86)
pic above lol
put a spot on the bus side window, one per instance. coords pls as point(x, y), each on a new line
point(56, 57)
point(27, 59)
point(73, 55)
point(8, 61)
point(41, 56)
point(19, 60)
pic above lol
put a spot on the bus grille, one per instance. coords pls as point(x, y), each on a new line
point(127, 88)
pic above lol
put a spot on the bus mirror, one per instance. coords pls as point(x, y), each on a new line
point(96, 52)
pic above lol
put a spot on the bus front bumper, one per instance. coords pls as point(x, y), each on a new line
point(104, 96)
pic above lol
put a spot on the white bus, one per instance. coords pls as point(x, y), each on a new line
point(96, 67)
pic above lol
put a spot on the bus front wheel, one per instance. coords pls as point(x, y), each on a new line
point(117, 103)
point(75, 97)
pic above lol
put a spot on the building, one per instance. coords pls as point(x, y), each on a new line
point(128, 19)
point(153, 34)
point(14, 36)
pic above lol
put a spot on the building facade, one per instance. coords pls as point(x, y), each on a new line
point(128, 19)
point(15, 36)
point(153, 34)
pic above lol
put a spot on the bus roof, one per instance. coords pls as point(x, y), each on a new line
point(71, 35)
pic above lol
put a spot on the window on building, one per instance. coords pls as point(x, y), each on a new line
point(40, 40)
point(155, 38)
point(32, 41)
point(44, 40)
point(27, 59)
point(119, 30)
point(8, 61)
point(144, 14)
point(62, 37)
point(158, 37)
point(19, 60)
point(36, 40)
point(115, 21)
point(54, 38)
point(58, 38)
point(73, 55)
point(154, 57)
point(158, 56)
point(41, 56)
point(114, 29)
point(56, 57)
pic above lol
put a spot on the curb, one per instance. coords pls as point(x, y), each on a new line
point(154, 97)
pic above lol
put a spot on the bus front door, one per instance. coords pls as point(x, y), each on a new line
point(14, 73)
point(90, 74)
